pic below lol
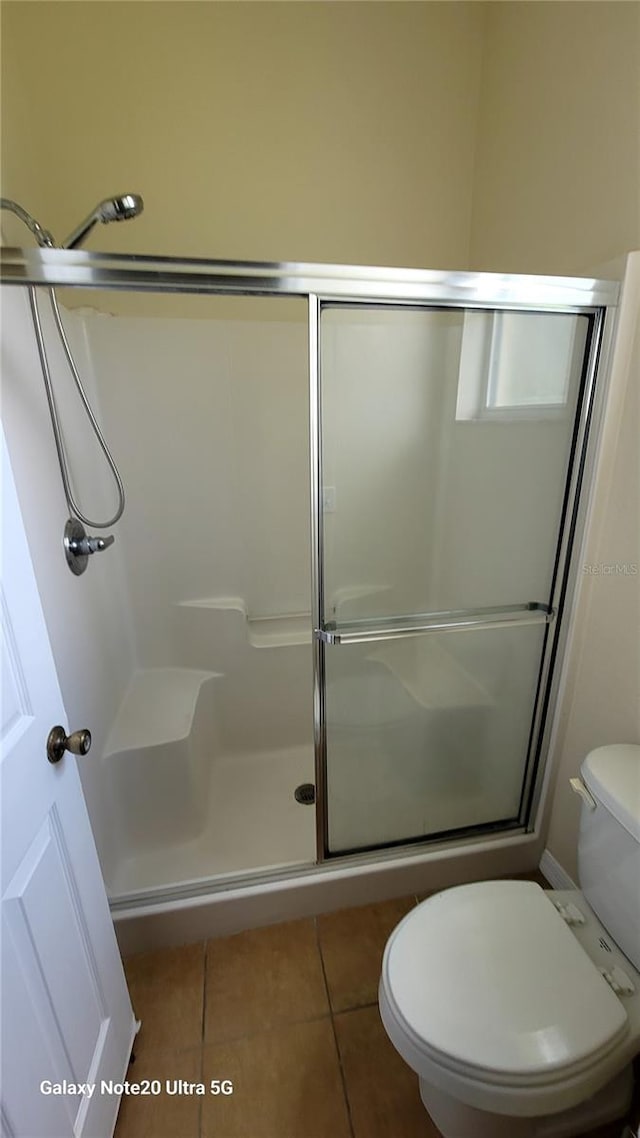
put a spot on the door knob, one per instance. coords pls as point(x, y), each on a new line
point(58, 742)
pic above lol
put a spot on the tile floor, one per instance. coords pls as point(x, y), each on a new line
point(289, 1015)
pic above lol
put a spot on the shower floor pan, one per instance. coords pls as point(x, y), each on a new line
point(253, 822)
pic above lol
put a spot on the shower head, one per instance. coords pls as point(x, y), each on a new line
point(111, 209)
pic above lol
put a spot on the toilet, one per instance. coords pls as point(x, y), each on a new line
point(517, 1007)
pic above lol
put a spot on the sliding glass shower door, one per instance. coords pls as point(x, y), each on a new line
point(447, 441)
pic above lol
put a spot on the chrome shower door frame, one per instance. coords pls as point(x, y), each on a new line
point(556, 615)
point(325, 284)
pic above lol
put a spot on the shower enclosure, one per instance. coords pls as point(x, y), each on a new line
point(399, 643)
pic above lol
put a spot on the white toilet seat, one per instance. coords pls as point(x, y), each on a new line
point(516, 1017)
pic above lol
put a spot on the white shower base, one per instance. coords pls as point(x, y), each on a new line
point(253, 822)
point(249, 856)
point(308, 890)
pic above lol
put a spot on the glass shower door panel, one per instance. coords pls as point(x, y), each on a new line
point(446, 445)
point(428, 734)
point(446, 437)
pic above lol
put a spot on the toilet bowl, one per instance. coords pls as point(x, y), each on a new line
point(514, 1005)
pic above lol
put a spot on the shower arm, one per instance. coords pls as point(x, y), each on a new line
point(77, 236)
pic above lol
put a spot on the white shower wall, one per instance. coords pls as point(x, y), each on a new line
point(209, 418)
point(88, 618)
point(383, 380)
point(166, 647)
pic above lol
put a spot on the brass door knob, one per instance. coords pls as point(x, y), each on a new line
point(58, 742)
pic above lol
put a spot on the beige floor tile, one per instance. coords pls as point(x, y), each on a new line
point(286, 1084)
point(383, 1093)
point(259, 979)
point(352, 943)
point(164, 1115)
point(382, 1090)
point(167, 992)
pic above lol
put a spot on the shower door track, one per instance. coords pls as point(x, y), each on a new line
point(326, 284)
point(78, 268)
point(458, 840)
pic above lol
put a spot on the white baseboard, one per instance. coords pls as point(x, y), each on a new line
point(554, 873)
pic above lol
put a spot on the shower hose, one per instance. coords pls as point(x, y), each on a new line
point(55, 421)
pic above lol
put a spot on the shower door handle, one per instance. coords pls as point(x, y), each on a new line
point(395, 628)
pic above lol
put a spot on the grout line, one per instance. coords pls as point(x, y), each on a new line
point(356, 1007)
point(335, 1036)
point(204, 1009)
point(204, 994)
point(151, 1052)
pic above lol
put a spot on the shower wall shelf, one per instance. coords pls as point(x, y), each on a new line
point(280, 630)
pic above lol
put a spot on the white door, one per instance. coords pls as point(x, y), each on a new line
point(66, 1013)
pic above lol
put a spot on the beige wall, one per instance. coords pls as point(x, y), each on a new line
point(602, 697)
point(557, 178)
point(444, 135)
point(557, 190)
point(267, 131)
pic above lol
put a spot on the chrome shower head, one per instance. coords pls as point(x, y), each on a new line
point(111, 209)
point(120, 209)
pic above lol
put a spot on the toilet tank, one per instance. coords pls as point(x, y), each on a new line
point(609, 843)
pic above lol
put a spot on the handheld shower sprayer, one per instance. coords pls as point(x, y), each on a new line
point(119, 208)
point(111, 209)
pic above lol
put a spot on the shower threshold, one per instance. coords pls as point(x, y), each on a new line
point(212, 907)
